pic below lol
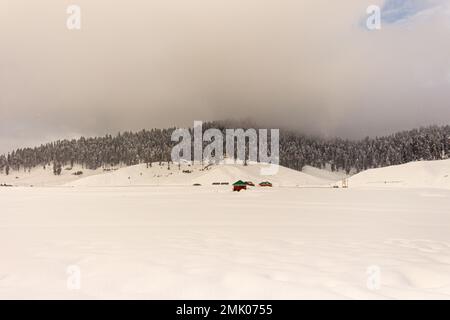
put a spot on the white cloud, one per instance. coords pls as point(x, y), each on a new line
point(304, 63)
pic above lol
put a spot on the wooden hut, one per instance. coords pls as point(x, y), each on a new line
point(239, 185)
point(265, 184)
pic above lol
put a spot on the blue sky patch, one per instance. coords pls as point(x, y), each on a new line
point(398, 10)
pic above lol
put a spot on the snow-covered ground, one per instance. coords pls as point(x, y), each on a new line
point(431, 174)
point(168, 175)
point(164, 175)
point(167, 241)
point(40, 176)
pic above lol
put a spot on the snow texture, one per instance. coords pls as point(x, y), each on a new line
point(185, 242)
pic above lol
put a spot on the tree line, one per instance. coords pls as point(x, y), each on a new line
point(296, 150)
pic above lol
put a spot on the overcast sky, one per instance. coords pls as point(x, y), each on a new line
point(308, 64)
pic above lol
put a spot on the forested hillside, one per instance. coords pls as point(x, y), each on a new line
point(296, 150)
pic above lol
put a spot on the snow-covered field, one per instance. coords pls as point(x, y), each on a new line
point(167, 241)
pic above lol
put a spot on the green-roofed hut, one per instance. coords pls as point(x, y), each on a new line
point(265, 184)
point(239, 185)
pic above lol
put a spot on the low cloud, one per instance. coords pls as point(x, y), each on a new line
point(303, 64)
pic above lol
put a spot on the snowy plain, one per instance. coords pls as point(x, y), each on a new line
point(300, 240)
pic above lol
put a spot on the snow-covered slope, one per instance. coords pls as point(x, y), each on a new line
point(284, 176)
point(421, 174)
point(174, 175)
point(325, 174)
point(44, 177)
point(141, 175)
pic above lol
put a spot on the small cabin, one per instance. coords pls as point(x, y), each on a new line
point(239, 185)
point(249, 183)
point(265, 184)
